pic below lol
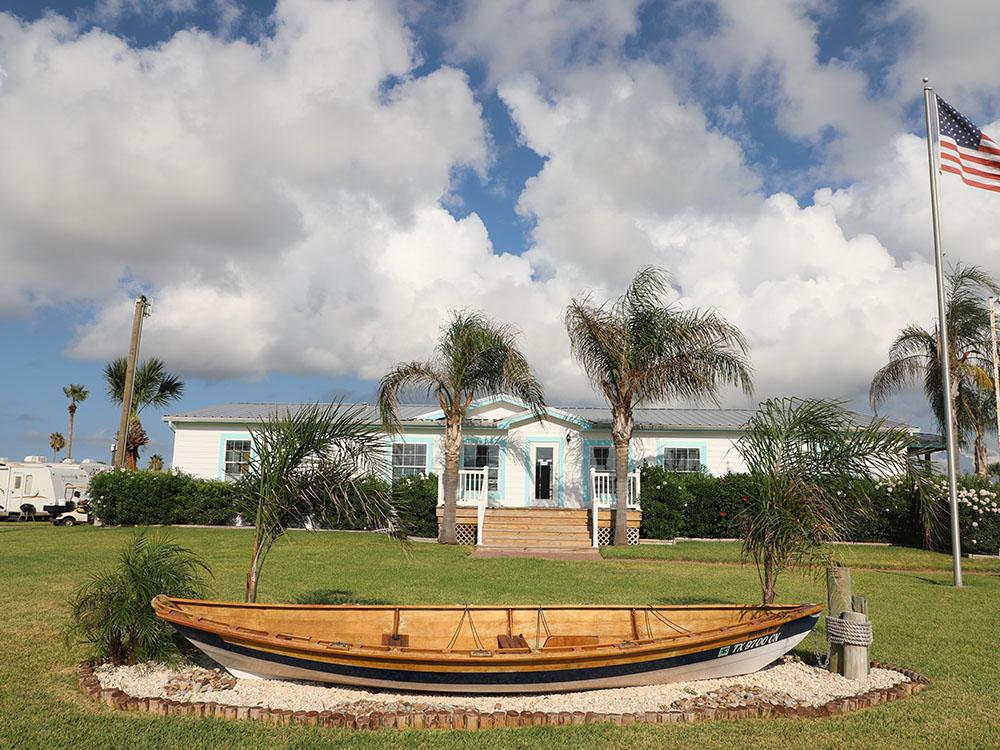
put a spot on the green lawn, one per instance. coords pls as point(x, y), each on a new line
point(868, 556)
point(919, 620)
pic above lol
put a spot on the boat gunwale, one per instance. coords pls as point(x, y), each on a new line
point(680, 643)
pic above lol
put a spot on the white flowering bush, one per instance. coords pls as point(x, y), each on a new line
point(979, 516)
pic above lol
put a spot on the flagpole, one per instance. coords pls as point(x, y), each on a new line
point(944, 354)
point(996, 367)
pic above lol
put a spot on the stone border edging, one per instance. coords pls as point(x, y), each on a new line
point(474, 720)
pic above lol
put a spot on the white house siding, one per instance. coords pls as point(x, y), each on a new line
point(198, 448)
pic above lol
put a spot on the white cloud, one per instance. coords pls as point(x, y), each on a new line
point(513, 37)
point(633, 176)
point(954, 43)
point(285, 205)
point(771, 47)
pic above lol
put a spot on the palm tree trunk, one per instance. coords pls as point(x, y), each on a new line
point(621, 434)
point(982, 462)
point(253, 571)
point(69, 441)
point(452, 454)
point(769, 576)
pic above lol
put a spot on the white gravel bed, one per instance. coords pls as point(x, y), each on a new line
point(788, 682)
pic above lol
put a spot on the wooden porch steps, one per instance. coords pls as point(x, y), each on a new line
point(536, 530)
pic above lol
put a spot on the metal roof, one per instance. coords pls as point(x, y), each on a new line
point(254, 412)
point(725, 420)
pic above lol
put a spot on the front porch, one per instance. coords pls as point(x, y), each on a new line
point(492, 523)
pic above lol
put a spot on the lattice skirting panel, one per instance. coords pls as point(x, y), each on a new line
point(465, 533)
point(606, 535)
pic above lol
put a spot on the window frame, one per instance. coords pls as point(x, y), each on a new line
point(241, 458)
point(682, 465)
point(493, 473)
point(416, 465)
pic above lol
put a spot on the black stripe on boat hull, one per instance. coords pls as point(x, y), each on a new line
point(578, 674)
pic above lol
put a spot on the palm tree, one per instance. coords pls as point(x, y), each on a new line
point(313, 465)
point(153, 386)
point(155, 463)
point(474, 357)
point(75, 393)
point(56, 442)
point(803, 499)
point(915, 356)
point(638, 349)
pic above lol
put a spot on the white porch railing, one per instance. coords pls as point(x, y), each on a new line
point(473, 489)
point(603, 494)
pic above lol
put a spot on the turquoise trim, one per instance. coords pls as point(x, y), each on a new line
point(530, 468)
point(546, 412)
point(476, 403)
point(223, 437)
point(701, 445)
point(587, 445)
point(502, 458)
point(411, 439)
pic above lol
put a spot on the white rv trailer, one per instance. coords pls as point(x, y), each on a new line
point(34, 483)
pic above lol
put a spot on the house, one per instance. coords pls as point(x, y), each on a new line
point(517, 469)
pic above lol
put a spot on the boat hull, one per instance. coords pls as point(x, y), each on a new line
point(742, 656)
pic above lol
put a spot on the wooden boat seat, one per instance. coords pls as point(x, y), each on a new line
point(512, 641)
point(395, 640)
point(556, 641)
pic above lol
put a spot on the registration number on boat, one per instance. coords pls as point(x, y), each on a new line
point(735, 648)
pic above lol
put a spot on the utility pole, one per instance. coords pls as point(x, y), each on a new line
point(996, 365)
point(142, 309)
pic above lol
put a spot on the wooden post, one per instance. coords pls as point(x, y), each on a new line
point(838, 600)
point(856, 662)
point(121, 442)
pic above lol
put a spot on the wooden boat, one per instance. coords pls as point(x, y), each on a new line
point(488, 649)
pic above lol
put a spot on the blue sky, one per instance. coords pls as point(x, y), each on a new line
point(516, 162)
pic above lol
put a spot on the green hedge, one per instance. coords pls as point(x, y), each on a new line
point(415, 499)
point(700, 505)
point(690, 505)
point(139, 498)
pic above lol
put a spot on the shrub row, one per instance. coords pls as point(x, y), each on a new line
point(140, 498)
point(134, 498)
point(699, 505)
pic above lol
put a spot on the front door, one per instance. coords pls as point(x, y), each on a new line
point(545, 475)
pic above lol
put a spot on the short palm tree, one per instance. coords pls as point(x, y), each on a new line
point(311, 466)
point(154, 386)
point(638, 350)
point(915, 356)
point(474, 357)
point(56, 442)
point(75, 393)
point(803, 499)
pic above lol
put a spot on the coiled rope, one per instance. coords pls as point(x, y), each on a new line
point(848, 633)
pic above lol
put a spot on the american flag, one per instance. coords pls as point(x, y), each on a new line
point(966, 150)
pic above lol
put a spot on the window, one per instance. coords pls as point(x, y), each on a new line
point(682, 459)
point(600, 458)
point(27, 484)
point(17, 482)
point(478, 455)
point(409, 460)
point(237, 458)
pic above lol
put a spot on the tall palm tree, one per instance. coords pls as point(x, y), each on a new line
point(56, 442)
point(474, 357)
point(638, 349)
point(75, 393)
point(915, 355)
point(154, 386)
